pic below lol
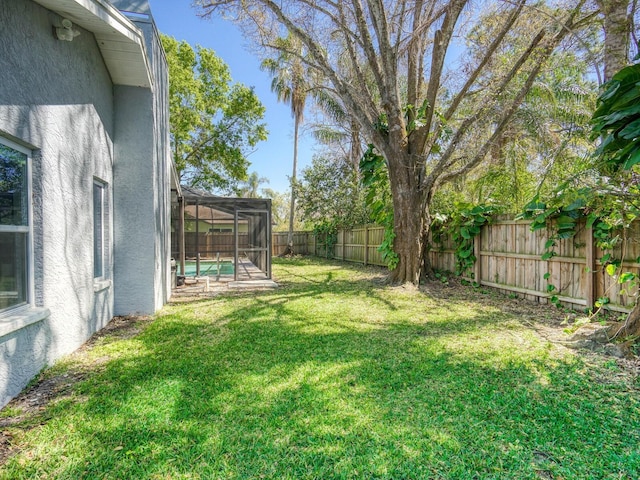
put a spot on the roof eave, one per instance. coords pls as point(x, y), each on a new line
point(121, 43)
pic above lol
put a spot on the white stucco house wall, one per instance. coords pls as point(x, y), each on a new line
point(85, 176)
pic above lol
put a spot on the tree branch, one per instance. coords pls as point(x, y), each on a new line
point(544, 54)
point(441, 43)
point(513, 16)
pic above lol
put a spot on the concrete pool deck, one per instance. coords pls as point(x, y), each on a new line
point(250, 277)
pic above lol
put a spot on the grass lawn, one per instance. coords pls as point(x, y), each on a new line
point(334, 375)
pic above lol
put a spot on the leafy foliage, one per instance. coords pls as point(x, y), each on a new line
point(213, 122)
point(250, 187)
point(605, 195)
point(330, 193)
point(330, 197)
point(279, 208)
point(617, 121)
point(546, 140)
point(463, 225)
point(375, 179)
point(326, 236)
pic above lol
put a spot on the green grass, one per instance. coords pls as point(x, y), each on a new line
point(334, 375)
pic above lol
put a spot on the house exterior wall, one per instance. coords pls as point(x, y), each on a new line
point(142, 194)
point(56, 100)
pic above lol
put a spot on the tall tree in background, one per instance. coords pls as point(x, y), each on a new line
point(385, 62)
point(214, 123)
point(250, 187)
point(289, 83)
point(279, 208)
point(330, 194)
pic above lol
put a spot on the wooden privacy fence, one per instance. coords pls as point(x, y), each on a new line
point(359, 245)
point(209, 244)
point(303, 243)
point(509, 258)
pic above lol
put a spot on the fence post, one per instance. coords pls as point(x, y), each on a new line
point(590, 269)
point(366, 244)
point(343, 245)
point(326, 246)
point(477, 249)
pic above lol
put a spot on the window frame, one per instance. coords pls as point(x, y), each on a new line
point(104, 205)
point(28, 230)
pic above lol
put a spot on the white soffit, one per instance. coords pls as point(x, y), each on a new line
point(120, 41)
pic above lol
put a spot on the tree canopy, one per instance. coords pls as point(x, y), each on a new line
point(330, 193)
point(214, 123)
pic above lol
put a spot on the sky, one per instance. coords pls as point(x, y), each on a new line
point(272, 159)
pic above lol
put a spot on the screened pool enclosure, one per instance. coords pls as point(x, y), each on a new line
point(221, 237)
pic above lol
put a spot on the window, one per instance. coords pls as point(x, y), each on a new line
point(15, 226)
point(99, 228)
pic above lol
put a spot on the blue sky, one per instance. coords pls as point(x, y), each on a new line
point(273, 158)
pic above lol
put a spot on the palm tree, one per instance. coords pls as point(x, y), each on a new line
point(249, 188)
point(341, 130)
point(290, 84)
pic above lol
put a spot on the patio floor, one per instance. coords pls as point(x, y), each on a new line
point(249, 277)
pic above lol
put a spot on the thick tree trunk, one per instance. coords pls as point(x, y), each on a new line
point(631, 326)
point(409, 241)
point(616, 35)
point(409, 223)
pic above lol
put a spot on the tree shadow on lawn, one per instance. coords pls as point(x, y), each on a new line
point(320, 270)
point(311, 286)
point(265, 389)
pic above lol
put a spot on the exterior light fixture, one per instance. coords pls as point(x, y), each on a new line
point(66, 31)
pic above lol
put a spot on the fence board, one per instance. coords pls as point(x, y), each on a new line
point(301, 243)
point(209, 244)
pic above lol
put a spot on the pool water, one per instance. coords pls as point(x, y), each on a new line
point(207, 267)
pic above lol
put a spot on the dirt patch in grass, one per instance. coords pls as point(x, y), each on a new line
point(119, 328)
point(557, 325)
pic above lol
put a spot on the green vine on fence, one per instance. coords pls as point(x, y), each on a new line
point(328, 231)
point(562, 223)
point(463, 225)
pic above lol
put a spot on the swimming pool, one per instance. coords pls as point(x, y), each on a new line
point(207, 267)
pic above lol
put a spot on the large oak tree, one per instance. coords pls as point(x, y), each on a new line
point(392, 65)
